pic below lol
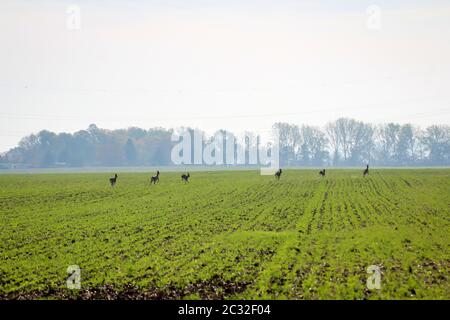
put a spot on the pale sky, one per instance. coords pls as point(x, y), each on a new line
point(238, 65)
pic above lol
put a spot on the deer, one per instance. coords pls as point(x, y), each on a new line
point(322, 173)
point(278, 174)
point(113, 180)
point(366, 171)
point(185, 177)
point(155, 178)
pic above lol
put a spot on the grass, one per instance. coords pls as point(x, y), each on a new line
point(227, 235)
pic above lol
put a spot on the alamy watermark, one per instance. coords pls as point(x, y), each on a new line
point(373, 21)
point(73, 20)
point(374, 280)
point(74, 280)
point(224, 148)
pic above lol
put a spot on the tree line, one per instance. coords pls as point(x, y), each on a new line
point(348, 142)
point(344, 142)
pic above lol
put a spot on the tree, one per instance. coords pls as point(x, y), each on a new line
point(344, 141)
point(361, 143)
point(437, 143)
point(351, 141)
point(304, 155)
point(407, 145)
point(289, 141)
point(48, 159)
point(313, 150)
point(387, 143)
point(130, 152)
point(332, 135)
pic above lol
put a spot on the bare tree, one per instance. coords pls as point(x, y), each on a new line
point(437, 143)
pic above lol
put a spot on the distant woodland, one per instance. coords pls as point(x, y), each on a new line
point(344, 142)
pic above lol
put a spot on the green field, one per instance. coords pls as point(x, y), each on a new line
point(227, 235)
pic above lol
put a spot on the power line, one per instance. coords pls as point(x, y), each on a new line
point(121, 118)
point(48, 117)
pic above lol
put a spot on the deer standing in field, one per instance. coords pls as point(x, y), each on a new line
point(278, 174)
point(185, 177)
point(113, 180)
point(155, 178)
point(322, 172)
point(366, 171)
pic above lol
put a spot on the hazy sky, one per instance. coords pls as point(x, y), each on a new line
point(220, 64)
